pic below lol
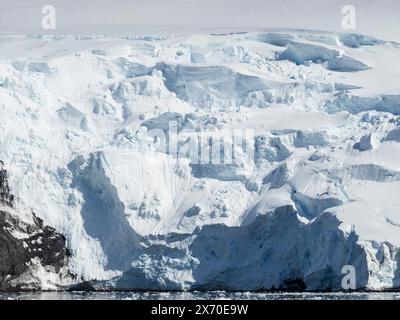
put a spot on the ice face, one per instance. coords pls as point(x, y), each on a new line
point(313, 188)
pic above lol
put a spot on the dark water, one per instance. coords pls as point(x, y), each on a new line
point(197, 296)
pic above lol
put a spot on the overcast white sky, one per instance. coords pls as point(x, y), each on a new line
point(375, 17)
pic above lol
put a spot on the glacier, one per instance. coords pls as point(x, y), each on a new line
point(121, 169)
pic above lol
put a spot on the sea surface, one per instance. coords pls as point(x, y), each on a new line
point(215, 295)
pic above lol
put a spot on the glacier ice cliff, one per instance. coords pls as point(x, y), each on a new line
point(121, 167)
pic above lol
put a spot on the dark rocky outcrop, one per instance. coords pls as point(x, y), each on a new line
point(41, 242)
point(5, 195)
point(35, 241)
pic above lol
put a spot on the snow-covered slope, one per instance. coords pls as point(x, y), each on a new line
point(97, 138)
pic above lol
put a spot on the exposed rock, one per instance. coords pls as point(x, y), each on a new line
point(23, 246)
point(40, 243)
point(5, 195)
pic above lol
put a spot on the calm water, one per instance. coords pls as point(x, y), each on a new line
point(197, 296)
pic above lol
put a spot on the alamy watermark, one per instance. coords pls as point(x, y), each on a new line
point(215, 147)
point(349, 278)
point(349, 20)
point(49, 17)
